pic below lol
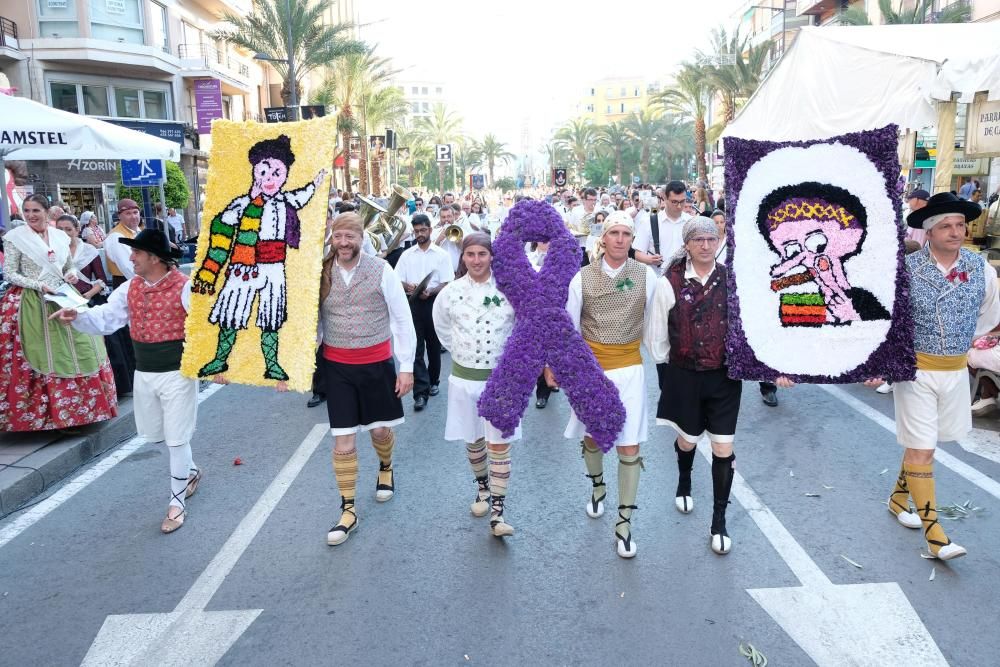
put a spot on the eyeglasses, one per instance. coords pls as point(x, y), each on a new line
point(679, 202)
point(704, 240)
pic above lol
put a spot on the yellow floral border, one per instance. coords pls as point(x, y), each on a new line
point(229, 176)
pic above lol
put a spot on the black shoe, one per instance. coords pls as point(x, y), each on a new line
point(419, 403)
point(555, 390)
point(541, 403)
point(434, 391)
point(316, 399)
point(770, 398)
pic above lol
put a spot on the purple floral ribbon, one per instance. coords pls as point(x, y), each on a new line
point(543, 331)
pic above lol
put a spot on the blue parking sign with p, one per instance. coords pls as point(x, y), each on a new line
point(142, 172)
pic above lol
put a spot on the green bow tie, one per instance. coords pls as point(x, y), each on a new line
point(495, 300)
point(624, 285)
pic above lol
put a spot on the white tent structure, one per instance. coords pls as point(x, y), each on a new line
point(850, 78)
point(33, 131)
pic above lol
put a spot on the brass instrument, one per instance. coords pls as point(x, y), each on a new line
point(384, 230)
point(454, 233)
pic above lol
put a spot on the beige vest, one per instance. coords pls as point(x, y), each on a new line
point(613, 315)
point(356, 315)
point(127, 233)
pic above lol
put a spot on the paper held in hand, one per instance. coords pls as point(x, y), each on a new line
point(67, 297)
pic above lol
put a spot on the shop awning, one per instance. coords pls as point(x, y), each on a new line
point(33, 131)
point(850, 78)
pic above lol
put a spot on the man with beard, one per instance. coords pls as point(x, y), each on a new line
point(364, 322)
point(424, 270)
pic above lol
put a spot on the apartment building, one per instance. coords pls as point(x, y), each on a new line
point(133, 62)
point(614, 99)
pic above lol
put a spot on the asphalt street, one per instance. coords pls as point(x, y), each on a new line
point(250, 580)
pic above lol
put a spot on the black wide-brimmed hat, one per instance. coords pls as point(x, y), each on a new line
point(944, 202)
point(156, 242)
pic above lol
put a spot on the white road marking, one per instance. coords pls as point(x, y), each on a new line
point(959, 467)
point(855, 624)
point(35, 514)
point(189, 635)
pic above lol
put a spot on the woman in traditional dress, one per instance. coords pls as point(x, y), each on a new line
point(92, 232)
point(51, 376)
point(86, 259)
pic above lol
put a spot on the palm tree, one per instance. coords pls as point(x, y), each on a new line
point(441, 127)
point(958, 12)
point(644, 127)
point(577, 137)
point(614, 137)
point(384, 107)
point(488, 153)
point(687, 99)
point(346, 82)
point(420, 151)
point(313, 44)
point(676, 139)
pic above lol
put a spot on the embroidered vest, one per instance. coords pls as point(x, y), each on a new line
point(356, 315)
point(127, 233)
point(612, 309)
point(697, 323)
point(156, 321)
point(945, 311)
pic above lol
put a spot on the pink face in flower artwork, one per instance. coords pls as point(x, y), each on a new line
point(814, 229)
point(269, 176)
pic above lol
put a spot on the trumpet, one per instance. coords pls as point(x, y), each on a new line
point(454, 233)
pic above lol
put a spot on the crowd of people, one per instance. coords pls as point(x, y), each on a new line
point(652, 275)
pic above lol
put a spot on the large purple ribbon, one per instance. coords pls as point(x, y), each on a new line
point(543, 331)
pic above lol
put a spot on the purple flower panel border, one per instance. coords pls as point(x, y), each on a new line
point(894, 359)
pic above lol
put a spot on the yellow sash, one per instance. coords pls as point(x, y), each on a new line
point(127, 233)
point(611, 356)
point(939, 362)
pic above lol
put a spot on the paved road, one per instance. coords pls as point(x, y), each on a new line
point(422, 582)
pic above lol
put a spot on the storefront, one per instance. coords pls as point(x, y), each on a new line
point(922, 174)
point(85, 185)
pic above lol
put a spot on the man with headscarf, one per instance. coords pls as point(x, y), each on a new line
point(365, 321)
point(687, 332)
point(474, 320)
point(608, 302)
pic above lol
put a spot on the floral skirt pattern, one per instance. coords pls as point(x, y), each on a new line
point(30, 401)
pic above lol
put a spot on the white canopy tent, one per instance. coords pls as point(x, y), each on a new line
point(33, 131)
point(850, 78)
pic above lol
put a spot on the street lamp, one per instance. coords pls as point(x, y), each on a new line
point(289, 60)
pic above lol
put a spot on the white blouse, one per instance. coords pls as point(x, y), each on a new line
point(473, 332)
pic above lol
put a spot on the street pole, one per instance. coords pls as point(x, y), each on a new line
point(4, 202)
point(945, 145)
point(293, 96)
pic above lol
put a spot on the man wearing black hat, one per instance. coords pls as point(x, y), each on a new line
point(155, 304)
point(953, 297)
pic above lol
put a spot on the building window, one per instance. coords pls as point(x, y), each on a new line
point(414, 90)
point(117, 20)
point(64, 97)
point(608, 93)
point(158, 26)
point(426, 107)
point(622, 108)
point(57, 18)
point(608, 109)
point(402, 89)
point(636, 91)
point(623, 92)
point(423, 91)
point(439, 90)
point(590, 108)
point(593, 92)
point(93, 99)
point(416, 107)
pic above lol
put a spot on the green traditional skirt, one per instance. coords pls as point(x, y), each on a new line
point(55, 348)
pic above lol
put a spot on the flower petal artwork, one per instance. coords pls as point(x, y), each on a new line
point(817, 286)
point(255, 280)
point(543, 331)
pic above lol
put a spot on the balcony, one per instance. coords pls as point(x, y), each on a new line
point(10, 47)
point(201, 61)
point(817, 7)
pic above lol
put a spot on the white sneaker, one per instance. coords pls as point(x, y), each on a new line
point(984, 406)
point(949, 551)
point(907, 518)
point(684, 504)
point(884, 388)
point(721, 544)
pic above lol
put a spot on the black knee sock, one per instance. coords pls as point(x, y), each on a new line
point(685, 461)
point(723, 471)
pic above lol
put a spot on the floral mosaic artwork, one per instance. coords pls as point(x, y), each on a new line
point(255, 280)
point(817, 286)
point(543, 331)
